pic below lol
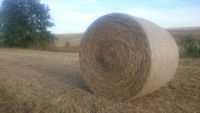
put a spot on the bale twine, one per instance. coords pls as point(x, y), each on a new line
point(125, 57)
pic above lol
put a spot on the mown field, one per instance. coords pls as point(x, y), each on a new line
point(74, 39)
point(52, 82)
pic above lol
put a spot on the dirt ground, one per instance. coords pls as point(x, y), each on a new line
point(50, 82)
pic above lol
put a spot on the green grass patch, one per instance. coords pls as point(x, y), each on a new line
point(189, 45)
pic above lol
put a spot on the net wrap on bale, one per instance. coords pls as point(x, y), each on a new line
point(124, 57)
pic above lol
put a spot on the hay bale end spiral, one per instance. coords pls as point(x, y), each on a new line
point(124, 57)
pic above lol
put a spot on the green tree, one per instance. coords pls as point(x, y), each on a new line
point(24, 23)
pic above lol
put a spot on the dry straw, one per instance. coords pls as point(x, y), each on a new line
point(125, 57)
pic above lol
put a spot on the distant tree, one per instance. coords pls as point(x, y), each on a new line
point(24, 23)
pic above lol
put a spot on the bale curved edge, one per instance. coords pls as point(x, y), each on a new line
point(124, 57)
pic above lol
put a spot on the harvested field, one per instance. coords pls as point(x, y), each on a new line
point(50, 82)
point(75, 38)
point(184, 31)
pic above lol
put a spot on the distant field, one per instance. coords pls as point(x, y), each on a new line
point(75, 39)
point(52, 82)
point(184, 31)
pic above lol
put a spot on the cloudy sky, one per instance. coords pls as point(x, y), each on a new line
point(71, 16)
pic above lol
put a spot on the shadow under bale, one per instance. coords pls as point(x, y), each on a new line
point(68, 74)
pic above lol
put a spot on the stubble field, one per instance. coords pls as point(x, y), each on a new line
point(52, 82)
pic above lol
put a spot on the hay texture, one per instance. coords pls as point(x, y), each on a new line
point(124, 57)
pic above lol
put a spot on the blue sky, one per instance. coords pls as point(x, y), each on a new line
point(71, 16)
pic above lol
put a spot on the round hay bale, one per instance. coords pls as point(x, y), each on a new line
point(125, 57)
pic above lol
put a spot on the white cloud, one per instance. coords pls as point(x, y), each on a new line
point(68, 20)
point(181, 17)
